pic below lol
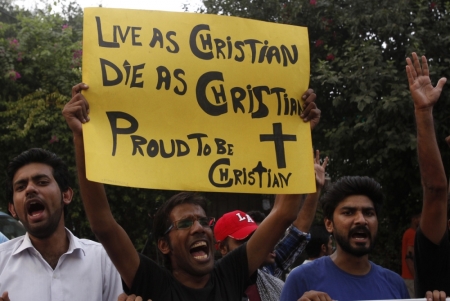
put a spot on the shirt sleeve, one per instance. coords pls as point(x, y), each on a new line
point(112, 284)
point(288, 249)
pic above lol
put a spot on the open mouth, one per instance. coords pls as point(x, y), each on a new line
point(200, 250)
point(360, 234)
point(35, 208)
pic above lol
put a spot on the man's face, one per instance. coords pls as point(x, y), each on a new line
point(354, 225)
point(191, 250)
point(233, 244)
point(37, 200)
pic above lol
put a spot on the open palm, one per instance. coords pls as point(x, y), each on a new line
point(422, 91)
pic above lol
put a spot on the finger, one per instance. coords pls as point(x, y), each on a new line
point(308, 112)
point(325, 163)
point(425, 70)
point(410, 68)
point(77, 88)
point(317, 158)
point(442, 295)
point(429, 296)
point(77, 106)
point(416, 63)
point(307, 94)
point(409, 75)
point(441, 83)
point(309, 97)
point(435, 296)
point(313, 114)
point(411, 65)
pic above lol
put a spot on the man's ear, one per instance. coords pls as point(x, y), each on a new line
point(223, 248)
point(67, 196)
point(12, 210)
point(163, 246)
point(323, 249)
point(329, 225)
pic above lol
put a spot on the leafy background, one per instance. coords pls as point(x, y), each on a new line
point(358, 51)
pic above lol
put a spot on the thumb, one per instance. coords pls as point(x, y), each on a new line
point(441, 83)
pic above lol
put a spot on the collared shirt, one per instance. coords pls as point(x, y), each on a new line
point(3, 238)
point(84, 272)
point(287, 251)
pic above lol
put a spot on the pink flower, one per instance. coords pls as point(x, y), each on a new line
point(54, 139)
point(65, 26)
point(318, 43)
point(19, 56)
point(312, 2)
point(14, 75)
point(330, 57)
point(13, 43)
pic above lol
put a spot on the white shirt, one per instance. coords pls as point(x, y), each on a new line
point(84, 272)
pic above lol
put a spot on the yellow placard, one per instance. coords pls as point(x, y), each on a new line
point(198, 102)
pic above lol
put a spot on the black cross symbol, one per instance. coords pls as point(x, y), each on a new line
point(279, 139)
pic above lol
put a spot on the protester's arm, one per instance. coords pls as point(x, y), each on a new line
point(111, 235)
point(285, 208)
point(433, 221)
point(293, 244)
point(306, 215)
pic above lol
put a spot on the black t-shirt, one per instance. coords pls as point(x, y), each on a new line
point(227, 282)
point(431, 265)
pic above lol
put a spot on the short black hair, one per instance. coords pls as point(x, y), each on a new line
point(319, 237)
point(348, 186)
point(38, 155)
point(162, 220)
point(257, 216)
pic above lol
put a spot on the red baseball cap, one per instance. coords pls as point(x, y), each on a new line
point(236, 224)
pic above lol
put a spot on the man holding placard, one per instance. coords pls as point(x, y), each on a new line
point(183, 233)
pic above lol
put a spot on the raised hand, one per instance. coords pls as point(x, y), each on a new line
point(422, 91)
point(310, 110)
point(77, 109)
point(320, 170)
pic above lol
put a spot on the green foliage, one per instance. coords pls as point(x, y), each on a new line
point(358, 51)
point(45, 49)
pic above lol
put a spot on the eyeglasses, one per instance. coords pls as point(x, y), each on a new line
point(186, 223)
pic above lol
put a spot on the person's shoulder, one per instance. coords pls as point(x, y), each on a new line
point(311, 267)
point(12, 244)
point(89, 244)
point(386, 273)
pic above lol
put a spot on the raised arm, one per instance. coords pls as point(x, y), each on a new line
point(285, 209)
point(111, 235)
point(294, 242)
point(433, 222)
point(306, 215)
